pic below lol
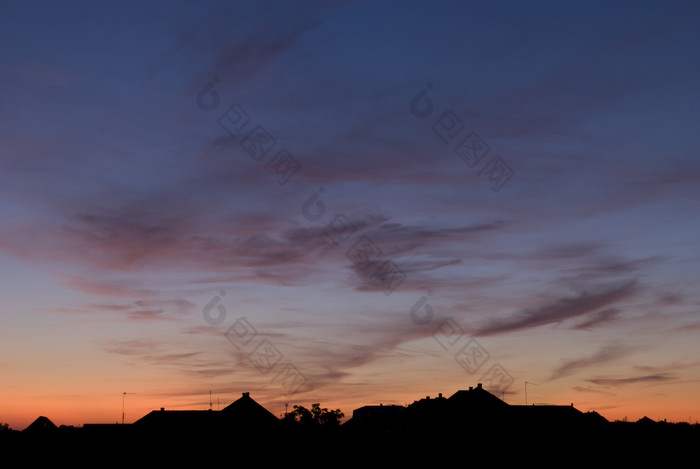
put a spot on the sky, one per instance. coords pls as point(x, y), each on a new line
point(349, 203)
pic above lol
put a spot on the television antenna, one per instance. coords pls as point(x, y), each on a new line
point(526, 383)
point(123, 396)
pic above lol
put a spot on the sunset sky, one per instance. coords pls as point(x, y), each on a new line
point(396, 199)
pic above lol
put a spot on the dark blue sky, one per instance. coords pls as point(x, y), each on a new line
point(155, 154)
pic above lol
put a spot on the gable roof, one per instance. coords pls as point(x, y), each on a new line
point(477, 400)
point(41, 424)
point(178, 418)
point(246, 410)
point(594, 417)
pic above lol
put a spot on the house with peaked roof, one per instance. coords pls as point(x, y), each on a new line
point(476, 405)
point(476, 402)
point(247, 411)
point(244, 413)
point(178, 418)
point(41, 425)
point(645, 421)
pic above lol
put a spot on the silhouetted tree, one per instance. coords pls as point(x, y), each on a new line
point(316, 416)
point(326, 417)
point(300, 415)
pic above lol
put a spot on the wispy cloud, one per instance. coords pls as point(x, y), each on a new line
point(599, 317)
point(615, 382)
point(237, 50)
point(147, 350)
point(606, 354)
point(588, 389)
point(148, 309)
point(559, 310)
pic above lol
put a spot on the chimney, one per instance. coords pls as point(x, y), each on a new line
point(471, 388)
point(440, 395)
point(246, 394)
point(478, 385)
point(162, 409)
point(427, 397)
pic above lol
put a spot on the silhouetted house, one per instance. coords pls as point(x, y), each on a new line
point(475, 411)
point(428, 412)
point(593, 417)
point(477, 398)
point(477, 403)
point(243, 414)
point(464, 406)
point(246, 412)
point(645, 421)
point(434, 403)
point(106, 430)
point(549, 416)
point(178, 419)
point(375, 415)
point(41, 425)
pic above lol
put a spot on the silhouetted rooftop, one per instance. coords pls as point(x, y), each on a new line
point(245, 409)
point(476, 399)
point(41, 424)
point(375, 414)
point(242, 412)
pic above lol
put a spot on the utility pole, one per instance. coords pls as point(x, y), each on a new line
point(123, 396)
